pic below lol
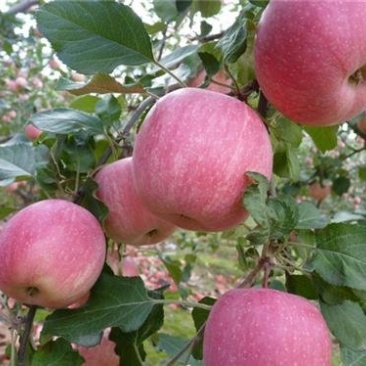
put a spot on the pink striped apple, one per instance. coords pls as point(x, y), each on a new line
point(257, 327)
point(191, 155)
point(128, 220)
point(51, 253)
point(310, 59)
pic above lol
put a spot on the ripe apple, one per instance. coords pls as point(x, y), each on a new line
point(319, 191)
point(32, 132)
point(258, 327)
point(101, 355)
point(128, 220)
point(191, 155)
point(51, 253)
point(310, 59)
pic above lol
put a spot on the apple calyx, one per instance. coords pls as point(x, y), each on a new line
point(359, 76)
point(32, 291)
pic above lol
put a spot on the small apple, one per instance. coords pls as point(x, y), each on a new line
point(51, 253)
point(32, 132)
point(101, 355)
point(260, 327)
point(310, 59)
point(128, 220)
point(21, 82)
point(191, 155)
point(320, 191)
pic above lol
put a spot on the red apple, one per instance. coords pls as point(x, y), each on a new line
point(258, 327)
point(101, 355)
point(310, 59)
point(319, 191)
point(128, 220)
point(191, 155)
point(129, 267)
point(32, 132)
point(51, 253)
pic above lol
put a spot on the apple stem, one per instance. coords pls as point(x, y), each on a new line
point(24, 338)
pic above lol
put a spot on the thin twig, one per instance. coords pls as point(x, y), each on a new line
point(24, 339)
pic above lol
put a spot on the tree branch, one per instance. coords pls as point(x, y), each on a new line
point(22, 7)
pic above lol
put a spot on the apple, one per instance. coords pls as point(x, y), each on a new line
point(128, 220)
point(221, 77)
point(260, 326)
point(129, 267)
point(191, 155)
point(320, 191)
point(101, 355)
point(310, 59)
point(51, 253)
point(32, 132)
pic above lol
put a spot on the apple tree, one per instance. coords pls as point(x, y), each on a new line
point(196, 124)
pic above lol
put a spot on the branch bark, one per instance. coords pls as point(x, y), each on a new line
point(22, 7)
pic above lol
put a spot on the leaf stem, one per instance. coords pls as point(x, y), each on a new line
point(182, 83)
point(24, 338)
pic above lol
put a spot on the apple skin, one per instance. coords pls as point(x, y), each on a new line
point(361, 126)
point(191, 155)
point(32, 132)
point(310, 59)
point(51, 253)
point(128, 220)
point(257, 327)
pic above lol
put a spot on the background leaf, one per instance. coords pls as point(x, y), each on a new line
point(66, 121)
point(114, 302)
point(56, 353)
point(95, 36)
point(340, 257)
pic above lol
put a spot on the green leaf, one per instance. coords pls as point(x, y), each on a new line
point(351, 357)
point(108, 110)
point(283, 215)
point(85, 103)
point(207, 8)
point(129, 345)
point(362, 173)
point(101, 84)
point(172, 345)
point(114, 302)
point(286, 131)
point(347, 322)
point(310, 217)
point(65, 121)
point(255, 198)
point(200, 316)
point(341, 185)
point(95, 36)
point(166, 10)
point(18, 161)
point(177, 56)
point(285, 161)
point(340, 255)
point(324, 138)
point(5, 211)
point(301, 285)
point(234, 41)
point(57, 353)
